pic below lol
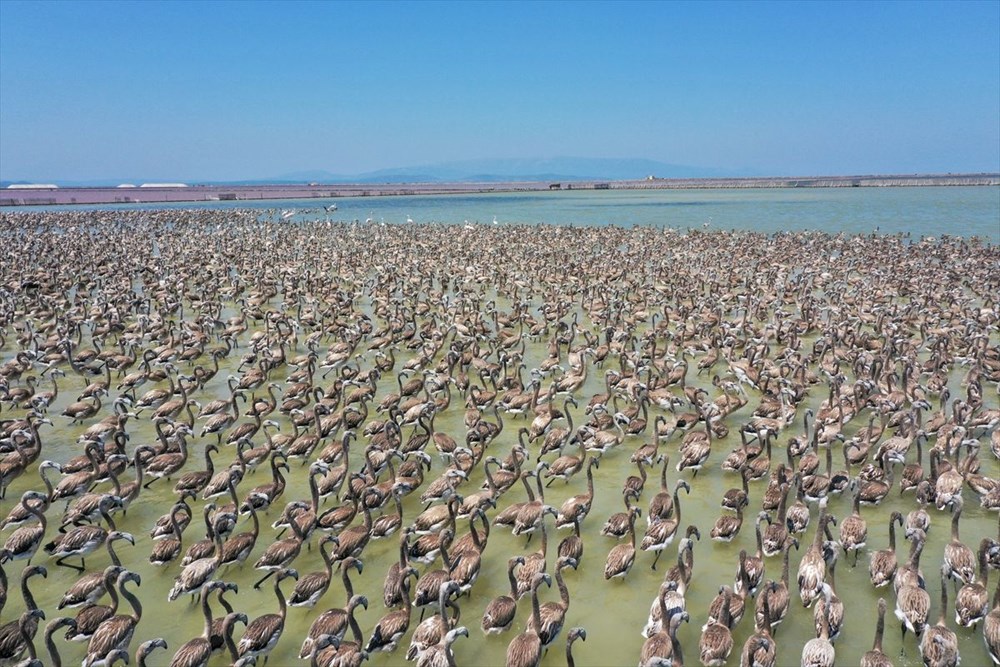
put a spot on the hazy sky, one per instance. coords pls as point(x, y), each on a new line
point(234, 90)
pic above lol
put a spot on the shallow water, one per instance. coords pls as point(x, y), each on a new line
point(612, 612)
point(921, 211)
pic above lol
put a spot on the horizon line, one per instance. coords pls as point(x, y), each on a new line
point(533, 178)
point(52, 195)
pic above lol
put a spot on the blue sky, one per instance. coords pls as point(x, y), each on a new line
point(235, 90)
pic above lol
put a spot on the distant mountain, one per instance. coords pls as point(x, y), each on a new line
point(513, 169)
point(488, 170)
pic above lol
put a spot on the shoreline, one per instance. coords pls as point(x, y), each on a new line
point(54, 196)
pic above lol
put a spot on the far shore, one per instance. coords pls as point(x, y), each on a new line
point(160, 193)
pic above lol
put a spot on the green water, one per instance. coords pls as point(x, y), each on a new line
point(613, 612)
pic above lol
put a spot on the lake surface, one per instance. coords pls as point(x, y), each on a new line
point(921, 211)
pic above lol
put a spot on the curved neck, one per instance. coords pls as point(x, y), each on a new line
point(513, 580)
point(217, 538)
point(445, 558)
point(327, 561)
point(879, 629)
point(406, 594)
point(206, 610)
point(37, 513)
point(276, 476)
point(209, 465)
point(225, 603)
point(293, 523)
point(227, 634)
point(50, 645)
point(821, 526)
point(133, 602)
point(45, 479)
point(368, 516)
point(724, 612)
point(540, 487)
point(489, 479)
point(29, 599)
point(682, 568)
point(348, 586)
point(318, 410)
point(954, 523)
point(915, 551)
point(442, 603)
point(678, 656)
point(782, 504)
point(944, 602)
point(475, 533)
point(784, 565)
point(111, 547)
point(563, 590)
point(766, 624)
point(161, 436)
point(664, 616)
point(527, 487)
point(109, 586)
point(255, 519)
point(282, 607)
point(570, 662)
point(536, 612)
point(314, 491)
point(116, 482)
point(404, 544)
point(355, 628)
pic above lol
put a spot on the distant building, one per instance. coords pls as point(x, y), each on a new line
point(126, 185)
point(32, 186)
point(163, 185)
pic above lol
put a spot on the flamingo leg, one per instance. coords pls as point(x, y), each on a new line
point(81, 568)
point(263, 579)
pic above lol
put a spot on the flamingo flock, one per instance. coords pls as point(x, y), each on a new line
point(323, 442)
